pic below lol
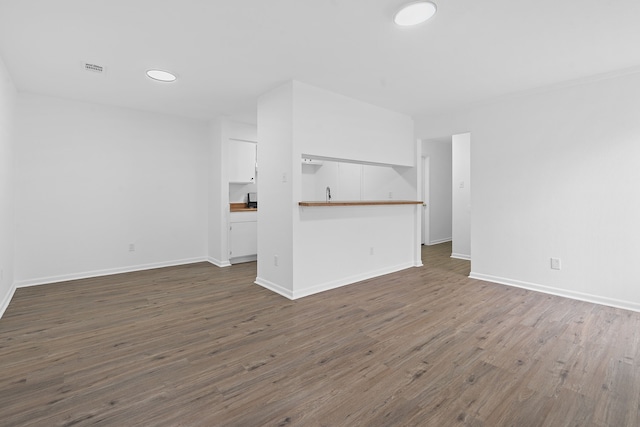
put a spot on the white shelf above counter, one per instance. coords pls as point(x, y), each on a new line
point(315, 162)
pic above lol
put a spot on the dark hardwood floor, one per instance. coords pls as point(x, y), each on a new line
point(202, 346)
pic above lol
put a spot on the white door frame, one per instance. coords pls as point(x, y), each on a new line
point(426, 163)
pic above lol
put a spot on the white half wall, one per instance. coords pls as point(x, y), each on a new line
point(336, 246)
point(461, 195)
point(7, 108)
point(440, 189)
point(92, 180)
point(302, 251)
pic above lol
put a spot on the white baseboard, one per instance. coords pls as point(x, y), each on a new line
point(274, 288)
point(106, 272)
point(596, 299)
point(7, 299)
point(349, 280)
point(461, 256)
point(438, 241)
point(218, 263)
point(295, 294)
point(241, 259)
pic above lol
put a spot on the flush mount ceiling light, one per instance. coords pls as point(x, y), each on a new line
point(414, 13)
point(163, 76)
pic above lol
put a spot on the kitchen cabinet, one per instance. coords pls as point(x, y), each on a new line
point(242, 161)
point(243, 236)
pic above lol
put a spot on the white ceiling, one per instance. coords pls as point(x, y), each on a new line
point(228, 52)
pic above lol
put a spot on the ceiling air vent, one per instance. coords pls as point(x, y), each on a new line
point(99, 69)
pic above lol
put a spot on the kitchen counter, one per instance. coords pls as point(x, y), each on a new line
point(361, 203)
point(240, 207)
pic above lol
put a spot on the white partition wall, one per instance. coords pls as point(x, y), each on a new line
point(277, 204)
point(218, 204)
point(332, 125)
point(305, 250)
point(461, 195)
point(7, 107)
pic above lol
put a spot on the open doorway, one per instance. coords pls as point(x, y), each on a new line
point(436, 186)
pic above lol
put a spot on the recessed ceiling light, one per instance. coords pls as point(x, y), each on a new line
point(163, 76)
point(414, 13)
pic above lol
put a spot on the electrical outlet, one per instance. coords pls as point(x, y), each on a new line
point(371, 250)
point(555, 263)
point(132, 247)
point(275, 260)
point(284, 177)
point(391, 194)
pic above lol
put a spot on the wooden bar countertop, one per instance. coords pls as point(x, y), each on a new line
point(361, 203)
point(240, 207)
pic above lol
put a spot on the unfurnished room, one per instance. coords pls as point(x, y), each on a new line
point(319, 213)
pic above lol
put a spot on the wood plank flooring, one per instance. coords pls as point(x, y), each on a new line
point(202, 346)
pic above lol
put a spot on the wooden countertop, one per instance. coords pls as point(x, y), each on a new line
point(362, 203)
point(241, 207)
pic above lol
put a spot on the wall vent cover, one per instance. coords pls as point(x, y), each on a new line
point(94, 68)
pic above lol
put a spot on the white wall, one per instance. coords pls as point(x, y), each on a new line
point(238, 192)
point(350, 129)
point(555, 175)
point(218, 209)
point(440, 189)
point(92, 179)
point(336, 246)
point(325, 247)
point(277, 167)
point(7, 108)
point(444, 124)
point(389, 183)
point(316, 178)
point(461, 195)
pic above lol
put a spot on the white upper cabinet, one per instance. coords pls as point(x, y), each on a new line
point(242, 161)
